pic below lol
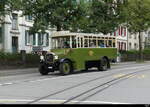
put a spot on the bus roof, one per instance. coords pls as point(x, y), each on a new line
point(68, 34)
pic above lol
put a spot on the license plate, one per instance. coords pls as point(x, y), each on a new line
point(50, 67)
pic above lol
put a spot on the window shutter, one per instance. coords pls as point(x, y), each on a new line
point(119, 30)
point(47, 39)
point(125, 32)
point(0, 34)
point(26, 38)
point(34, 39)
point(115, 33)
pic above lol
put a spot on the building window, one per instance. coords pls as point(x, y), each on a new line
point(135, 46)
point(43, 39)
point(15, 21)
point(29, 18)
point(34, 39)
point(0, 34)
point(130, 46)
point(28, 38)
point(40, 39)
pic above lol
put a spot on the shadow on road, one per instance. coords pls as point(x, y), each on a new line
point(74, 73)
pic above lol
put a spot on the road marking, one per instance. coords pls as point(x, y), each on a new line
point(141, 76)
point(130, 76)
point(119, 75)
point(57, 101)
point(8, 83)
point(90, 102)
point(39, 80)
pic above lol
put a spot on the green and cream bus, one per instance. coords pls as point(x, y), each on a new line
point(78, 51)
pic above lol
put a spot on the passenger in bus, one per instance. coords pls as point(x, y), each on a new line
point(92, 44)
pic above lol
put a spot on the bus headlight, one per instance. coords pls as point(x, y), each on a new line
point(56, 57)
point(42, 58)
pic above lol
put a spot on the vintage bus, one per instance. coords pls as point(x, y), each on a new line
point(78, 51)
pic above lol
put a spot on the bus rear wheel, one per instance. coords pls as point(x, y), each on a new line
point(103, 65)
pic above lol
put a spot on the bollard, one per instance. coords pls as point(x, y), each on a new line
point(23, 56)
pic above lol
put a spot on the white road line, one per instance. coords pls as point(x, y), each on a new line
point(8, 83)
point(40, 80)
point(59, 101)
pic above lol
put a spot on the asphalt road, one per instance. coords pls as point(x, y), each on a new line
point(125, 83)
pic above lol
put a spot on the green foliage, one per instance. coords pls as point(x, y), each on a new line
point(9, 56)
point(137, 15)
point(32, 59)
point(129, 52)
point(137, 18)
point(145, 51)
point(105, 16)
point(74, 15)
point(61, 14)
point(8, 6)
point(15, 59)
point(133, 55)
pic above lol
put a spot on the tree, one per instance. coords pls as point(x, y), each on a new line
point(60, 14)
point(8, 6)
point(105, 16)
point(137, 17)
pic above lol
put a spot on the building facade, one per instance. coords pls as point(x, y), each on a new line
point(130, 41)
point(15, 35)
point(133, 41)
point(121, 35)
point(147, 39)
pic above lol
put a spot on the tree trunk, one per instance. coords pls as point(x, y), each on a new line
point(140, 47)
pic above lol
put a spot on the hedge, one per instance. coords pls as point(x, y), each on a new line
point(133, 55)
point(15, 59)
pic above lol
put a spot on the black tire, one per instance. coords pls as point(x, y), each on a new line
point(43, 69)
point(65, 68)
point(103, 65)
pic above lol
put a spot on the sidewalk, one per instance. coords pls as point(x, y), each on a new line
point(11, 72)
